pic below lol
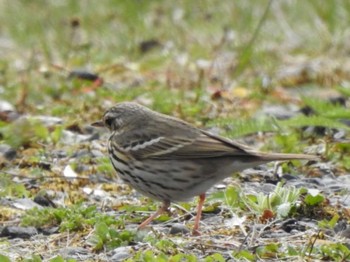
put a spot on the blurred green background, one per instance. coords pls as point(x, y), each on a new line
point(158, 45)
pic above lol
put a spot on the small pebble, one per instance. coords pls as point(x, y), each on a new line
point(178, 228)
point(7, 152)
point(25, 204)
point(18, 232)
point(120, 254)
point(79, 253)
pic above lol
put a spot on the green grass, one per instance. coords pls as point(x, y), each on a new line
point(49, 38)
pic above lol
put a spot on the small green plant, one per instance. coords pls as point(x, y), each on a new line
point(270, 251)
point(313, 197)
point(288, 142)
point(8, 188)
point(313, 204)
point(33, 258)
point(280, 201)
point(73, 218)
point(4, 258)
point(216, 257)
point(104, 166)
point(329, 224)
point(61, 259)
point(335, 252)
point(230, 197)
point(340, 154)
point(154, 255)
point(56, 134)
point(24, 131)
point(244, 255)
point(104, 236)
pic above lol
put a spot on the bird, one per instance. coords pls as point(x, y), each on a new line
point(170, 160)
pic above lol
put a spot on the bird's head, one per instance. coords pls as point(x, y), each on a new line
point(122, 114)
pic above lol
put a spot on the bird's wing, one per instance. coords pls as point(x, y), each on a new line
point(153, 147)
point(207, 145)
point(200, 145)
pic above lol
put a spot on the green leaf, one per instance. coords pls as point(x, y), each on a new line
point(337, 252)
point(245, 255)
point(215, 258)
point(329, 224)
point(268, 251)
point(4, 258)
point(102, 230)
point(57, 259)
point(313, 200)
point(34, 258)
point(56, 134)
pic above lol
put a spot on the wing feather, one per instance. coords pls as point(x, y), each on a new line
point(175, 139)
point(204, 145)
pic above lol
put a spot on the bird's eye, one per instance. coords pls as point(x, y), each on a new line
point(109, 121)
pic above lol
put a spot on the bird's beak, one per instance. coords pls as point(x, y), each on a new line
point(98, 124)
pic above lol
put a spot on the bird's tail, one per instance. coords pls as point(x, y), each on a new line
point(280, 157)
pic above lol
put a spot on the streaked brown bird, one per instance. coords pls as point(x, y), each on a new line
point(170, 160)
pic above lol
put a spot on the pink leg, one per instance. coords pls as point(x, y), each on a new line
point(161, 210)
point(199, 214)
